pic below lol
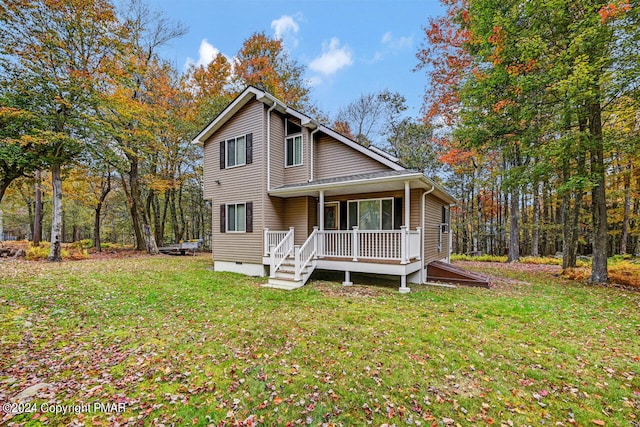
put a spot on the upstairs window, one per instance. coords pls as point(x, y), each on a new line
point(293, 144)
point(236, 151)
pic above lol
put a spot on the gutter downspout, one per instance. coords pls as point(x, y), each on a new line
point(311, 153)
point(269, 145)
point(423, 270)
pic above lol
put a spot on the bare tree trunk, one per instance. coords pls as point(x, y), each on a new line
point(599, 272)
point(55, 250)
point(37, 218)
point(135, 221)
point(105, 187)
point(624, 235)
point(535, 232)
point(148, 240)
point(514, 229)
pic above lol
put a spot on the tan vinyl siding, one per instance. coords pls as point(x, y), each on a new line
point(433, 219)
point(334, 159)
point(300, 173)
point(277, 150)
point(312, 210)
point(237, 185)
point(295, 215)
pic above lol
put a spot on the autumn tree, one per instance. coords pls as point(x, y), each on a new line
point(264, 62)
point(535, 81)
point(134, 114)
point(54, 53)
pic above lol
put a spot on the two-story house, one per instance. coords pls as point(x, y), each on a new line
point(290, 195)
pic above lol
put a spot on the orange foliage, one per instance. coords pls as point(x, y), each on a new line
point(501, 105)
point(447, 61)
point(613, 10)
point(343, 128)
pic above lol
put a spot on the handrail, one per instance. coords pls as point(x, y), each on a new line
point(281, 252)
point(306, 252)
point(273, 238)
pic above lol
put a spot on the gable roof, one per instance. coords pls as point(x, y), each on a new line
point(252, 92)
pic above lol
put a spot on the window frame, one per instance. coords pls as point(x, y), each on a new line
point(228, 217)
point(380, 199)
point(286, 150)
point(235, 151)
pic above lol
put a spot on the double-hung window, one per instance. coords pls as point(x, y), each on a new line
point(236, 150)
point(293, 144)
point(237, 217)
point(373, 214)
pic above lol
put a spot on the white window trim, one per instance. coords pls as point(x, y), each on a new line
point(227, 217)
point(226, 152)
point(393, 212)
point(286, 138)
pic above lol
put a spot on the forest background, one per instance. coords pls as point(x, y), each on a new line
point(530, 119)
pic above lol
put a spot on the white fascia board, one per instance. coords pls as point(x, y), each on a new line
point(226, 114)
point(364, 150)
point(344, 184)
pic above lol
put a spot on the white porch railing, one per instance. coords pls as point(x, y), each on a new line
point(386, 245)
point(272, 238)
point(280, 252)
point(392, 245)
point(306, 254)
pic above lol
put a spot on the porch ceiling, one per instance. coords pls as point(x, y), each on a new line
point(363, 183)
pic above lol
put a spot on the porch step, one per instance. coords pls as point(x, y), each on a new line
point(283, 283)
point(285, 276)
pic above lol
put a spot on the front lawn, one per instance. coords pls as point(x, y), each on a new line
point(166, 341)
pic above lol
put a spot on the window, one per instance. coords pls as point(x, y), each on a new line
point(373, 214)
point(236, 151)
point(237, 217)
point(444, 226)
point(294, 150)
point(331, 215)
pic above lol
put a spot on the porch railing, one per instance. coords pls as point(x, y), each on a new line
point(306, 254)
point(386, 245)
point(280, 252)
point(273, 238)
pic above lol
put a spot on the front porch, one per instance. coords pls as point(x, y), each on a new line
point(384, 252)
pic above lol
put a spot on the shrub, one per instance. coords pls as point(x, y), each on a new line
point(479, 258)
point(41, 252)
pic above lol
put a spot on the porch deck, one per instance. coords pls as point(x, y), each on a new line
point(388, 252)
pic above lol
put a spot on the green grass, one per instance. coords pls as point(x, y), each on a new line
point(182, 345)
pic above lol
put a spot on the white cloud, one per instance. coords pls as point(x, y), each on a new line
point(284, 25)
point(333, 58)
point(396, 42)
point(207, 53)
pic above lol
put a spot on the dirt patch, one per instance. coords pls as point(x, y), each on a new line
point(332, 289)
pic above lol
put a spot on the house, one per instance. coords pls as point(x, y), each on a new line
point(290, 195)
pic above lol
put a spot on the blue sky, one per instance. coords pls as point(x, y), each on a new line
point(349, 47)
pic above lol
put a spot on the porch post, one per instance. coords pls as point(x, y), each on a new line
point(404, 245)
point(407, 205)
point(403, 285)
point(321, 213)
point(347, 279)
point(355, 242)
point(266, 241)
